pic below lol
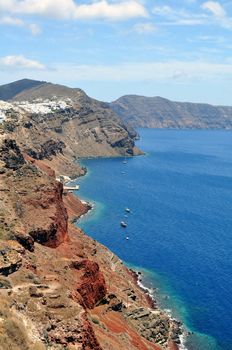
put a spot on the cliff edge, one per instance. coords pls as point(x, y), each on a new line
point(59, 288)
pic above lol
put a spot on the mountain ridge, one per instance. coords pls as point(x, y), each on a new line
point(159, 112)
point(133, 110)
point(8, 91)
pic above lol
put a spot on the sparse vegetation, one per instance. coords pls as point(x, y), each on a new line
point(13, 333)
point(5, 231)
point(95, 320)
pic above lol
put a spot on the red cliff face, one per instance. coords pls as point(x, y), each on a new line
point(36, 198)
point(75, 207)
point(40, 164)
point(89, 338)
point(60, 217)
point(57, 231)
point(50, 226)
point(92, 286)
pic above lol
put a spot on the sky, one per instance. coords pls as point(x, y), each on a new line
point(181, 50)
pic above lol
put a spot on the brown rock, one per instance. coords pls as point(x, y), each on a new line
point(25, 240)
point(10, 257)
point(34, 292)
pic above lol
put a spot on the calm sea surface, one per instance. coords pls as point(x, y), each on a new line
point(180, 227)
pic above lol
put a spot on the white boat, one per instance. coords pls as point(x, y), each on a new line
point(72, 188)
point(125, 160)
point(123, 224)
point(127, 210)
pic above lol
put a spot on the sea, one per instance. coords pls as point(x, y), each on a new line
point(179, 230)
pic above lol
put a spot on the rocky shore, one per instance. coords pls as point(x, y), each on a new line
point(178, 328)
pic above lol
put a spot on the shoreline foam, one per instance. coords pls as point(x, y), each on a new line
point(150, 294)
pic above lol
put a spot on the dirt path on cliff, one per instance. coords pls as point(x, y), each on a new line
point(45, 288)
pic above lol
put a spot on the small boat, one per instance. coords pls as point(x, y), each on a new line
point(127, 210)
point(123, 224)
point(125, 160)
point(72, 188)
point(127, 238)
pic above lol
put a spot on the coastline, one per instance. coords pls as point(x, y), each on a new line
point(149, 295)
point(89, 208)
point(190, 335)
point(189, 339)
point(180, 334)
point(138, 275)
point(70, 255)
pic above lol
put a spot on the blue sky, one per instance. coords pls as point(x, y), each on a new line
point(180, 50)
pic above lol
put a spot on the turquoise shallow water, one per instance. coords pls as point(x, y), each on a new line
point(180, 228)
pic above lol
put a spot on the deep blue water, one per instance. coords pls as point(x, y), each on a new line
point(180, 228)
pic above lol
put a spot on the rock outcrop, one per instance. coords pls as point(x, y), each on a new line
point(10, 155)
point(92, 285)
point(47, 150)
point(10, 257)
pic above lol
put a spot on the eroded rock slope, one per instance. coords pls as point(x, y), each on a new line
point(60, 289)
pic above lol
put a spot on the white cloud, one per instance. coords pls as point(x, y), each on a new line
point(211, 39)
point(34, 28)
point(69, 9)
point(19, 61)
point(14, 21)
point(218, 13)
point(164, 11)
point(215, 8)
point(178, 77)
point(172, 13)
point(213, 14)
point(173, 16)
point(115, 11)
point(11, 21)
point(139, 72)
point(186, 22)
point(145, 28)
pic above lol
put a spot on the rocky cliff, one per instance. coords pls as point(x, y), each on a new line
point(59, 124)
point(157, 112)
point(60, 289)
